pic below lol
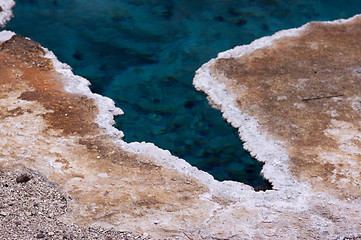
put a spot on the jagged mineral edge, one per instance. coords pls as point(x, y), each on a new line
point(262, 147)
point(229, 189)
point(105, 120)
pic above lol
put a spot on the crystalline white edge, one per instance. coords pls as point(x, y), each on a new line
point(258, 144)
point(80, 85)
point(6, 14)
point(105, 119)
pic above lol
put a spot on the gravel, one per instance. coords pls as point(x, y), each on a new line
point(30, 206)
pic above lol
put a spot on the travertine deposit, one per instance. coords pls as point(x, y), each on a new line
point(295, 98)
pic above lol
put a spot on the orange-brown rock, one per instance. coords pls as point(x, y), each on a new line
point(45, 128)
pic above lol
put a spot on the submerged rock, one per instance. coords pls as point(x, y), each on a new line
point(52, 123)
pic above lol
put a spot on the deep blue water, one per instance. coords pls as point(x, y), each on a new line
point(143, 55)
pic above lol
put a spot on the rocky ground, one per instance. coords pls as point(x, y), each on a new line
point(30, 207)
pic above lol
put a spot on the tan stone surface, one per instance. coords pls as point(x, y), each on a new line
point(306, 91)
point(295, 98)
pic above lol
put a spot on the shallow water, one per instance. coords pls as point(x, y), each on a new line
point(143, 55)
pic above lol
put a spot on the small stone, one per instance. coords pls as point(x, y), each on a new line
point(23, 178)
point(281, 98)
point(17, 223)
point(4, 214)
point(67, 235)
point(51, 233)
point(145, 235)
point(40, 235)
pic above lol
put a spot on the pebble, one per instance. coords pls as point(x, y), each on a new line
point(40, 235)
point(68, 235)
point(22, 178)
point(4, 214)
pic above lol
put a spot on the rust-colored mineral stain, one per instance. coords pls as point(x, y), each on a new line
point(298, 88)
point(24, 59)
point(55, 133)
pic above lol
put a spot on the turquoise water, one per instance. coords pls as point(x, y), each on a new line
point(143, 55)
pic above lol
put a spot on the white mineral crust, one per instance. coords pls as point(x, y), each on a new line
point(6, 11)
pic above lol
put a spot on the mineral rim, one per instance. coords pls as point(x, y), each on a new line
point(295, 98)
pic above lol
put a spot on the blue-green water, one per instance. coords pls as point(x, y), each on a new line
point(143, 55)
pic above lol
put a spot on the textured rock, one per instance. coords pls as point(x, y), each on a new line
point(299, 91)
point(51, 122)
point(46, 128)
